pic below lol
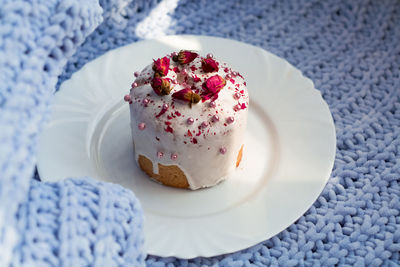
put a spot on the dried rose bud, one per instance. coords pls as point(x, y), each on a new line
point(185, 56)
point(161, 66)
point(187, 95)
point(209, 65)
point(161, 86)
point(212, 86)
point(195, 98)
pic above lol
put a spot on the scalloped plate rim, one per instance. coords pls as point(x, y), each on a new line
point(317, 100)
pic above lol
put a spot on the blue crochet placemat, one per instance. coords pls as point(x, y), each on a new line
point(350, 49)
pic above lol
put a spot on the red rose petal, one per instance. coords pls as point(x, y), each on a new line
point(209, 65)
point(161, 66)
point(161, 86)
point(212, 86)
point(169, 129)
point(185, 56)
point(186, 95)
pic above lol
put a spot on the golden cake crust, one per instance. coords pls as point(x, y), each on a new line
point(171, 175)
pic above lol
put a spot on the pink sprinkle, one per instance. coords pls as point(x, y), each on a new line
point(209, 55)
point(146, 102)
point(134, 84)
point(236, 95)
point(174, 156)
point(136, 74)
point(190, 120)
point(228, 76)
point(163, 110)
point(222, 150)
point(230, 119)
point(213, 104)
point(174, 54)
point(196, 79)
point(215, 118)
point(160, 154)
point(127, 98)
point(184, 72)
point(237, 107)
point(204, 124)
point(234, 73)
point(169, 129)
point(141, 126)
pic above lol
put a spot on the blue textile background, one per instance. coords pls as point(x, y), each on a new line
point(350, 49)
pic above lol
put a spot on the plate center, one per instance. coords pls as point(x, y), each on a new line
point(112, 153)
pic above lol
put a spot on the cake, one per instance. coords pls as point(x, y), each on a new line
point(188, 119)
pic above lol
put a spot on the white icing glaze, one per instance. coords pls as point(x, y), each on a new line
point(199, 155)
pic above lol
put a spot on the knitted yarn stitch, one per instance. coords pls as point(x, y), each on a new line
point(79, 222)
point(73, 222)
point(350, 49)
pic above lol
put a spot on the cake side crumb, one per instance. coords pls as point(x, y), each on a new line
point(170, 175)
point(239, 156)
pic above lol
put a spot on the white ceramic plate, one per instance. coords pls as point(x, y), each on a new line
point(288, 157)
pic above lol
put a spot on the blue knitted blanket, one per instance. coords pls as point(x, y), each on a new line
point(350, 49)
